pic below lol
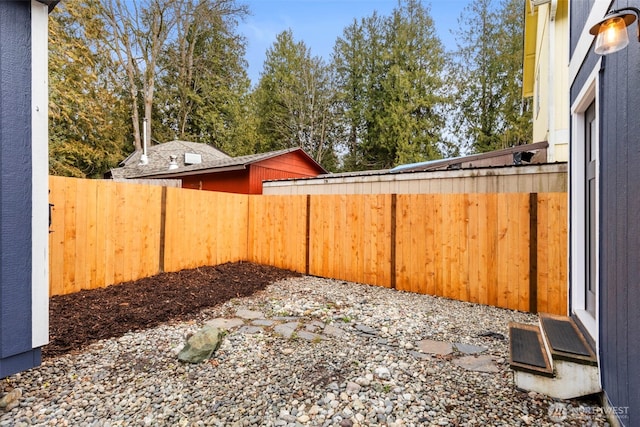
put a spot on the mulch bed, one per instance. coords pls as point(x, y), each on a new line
point(81, 318)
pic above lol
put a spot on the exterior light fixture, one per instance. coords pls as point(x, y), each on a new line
point(611, 32)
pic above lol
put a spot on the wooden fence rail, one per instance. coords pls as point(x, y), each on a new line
point(502, 249)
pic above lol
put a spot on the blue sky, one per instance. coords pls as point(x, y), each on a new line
point(320, 22)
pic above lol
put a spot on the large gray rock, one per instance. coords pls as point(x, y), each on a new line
point(201, 345)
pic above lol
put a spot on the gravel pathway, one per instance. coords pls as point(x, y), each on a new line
point(307, 351)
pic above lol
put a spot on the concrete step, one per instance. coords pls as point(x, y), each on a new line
point(553, 358)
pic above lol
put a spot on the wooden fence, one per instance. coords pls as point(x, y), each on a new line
point(502, 249)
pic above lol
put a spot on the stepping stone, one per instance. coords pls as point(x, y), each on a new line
point(249, 314)
point(477, 364)
point(227, 324)
point(263, 322)
point(468, 348)
point(286, 329)
point(420, 356)
point(250, 330)
point(366, 330)
point(309, 336)
point(333, 331)
point(435, 347)
point(314, 326)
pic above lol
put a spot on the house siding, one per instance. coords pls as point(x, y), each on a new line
point(295, 163)
point(16, 351)
point(249, 180)
point(619, 236)
point(228, 182)
point(578, 17)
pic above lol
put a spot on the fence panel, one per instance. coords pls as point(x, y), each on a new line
point(350, 236)
point(552, 253)
point(102, 233)
point(278, 231)
point(476, 248)
point(203, 228)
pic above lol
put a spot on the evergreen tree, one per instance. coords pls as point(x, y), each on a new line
point(351, 101)
point(293, 101)
point(487, 77)
point(88, 119)
point(413, 86)
point(391, 88)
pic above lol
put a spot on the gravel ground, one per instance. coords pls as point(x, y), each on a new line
point(370, 370)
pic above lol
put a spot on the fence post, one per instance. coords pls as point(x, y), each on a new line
point(163, 225)
point(394, 203)
point(533, 252)
point(307, 237)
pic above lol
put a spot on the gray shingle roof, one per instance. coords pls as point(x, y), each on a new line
point(159, 157)
point(212, 159)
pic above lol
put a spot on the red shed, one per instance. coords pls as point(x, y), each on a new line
point(202, 167)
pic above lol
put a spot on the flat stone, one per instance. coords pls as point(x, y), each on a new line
point(226, 324)
point(314, 326)
point(468, 348)
point(249, 314)
point(309, 336)
point(263, 322)
point(419, 355)
point(477, 363)
point(333, 331)
point(435, 347)
point(286, 329)
point(366, 329)
point(250, 329)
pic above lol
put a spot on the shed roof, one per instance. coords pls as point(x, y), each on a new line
point(495, 158)
point(213, 160)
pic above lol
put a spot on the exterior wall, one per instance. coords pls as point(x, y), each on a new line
point(550, 77)
point(523, 179)
point(618, 104)
point(228, 182)
point(23, 209)
point(295, 164)
point(249, 181)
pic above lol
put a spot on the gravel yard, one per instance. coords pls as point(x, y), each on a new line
point(303, 351)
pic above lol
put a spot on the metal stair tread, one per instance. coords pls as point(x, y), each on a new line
point(526, 349)
point(565, 340)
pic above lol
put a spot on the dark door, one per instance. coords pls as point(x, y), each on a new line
point(591, 153)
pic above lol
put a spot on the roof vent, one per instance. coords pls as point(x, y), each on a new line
point(192, 159)
point(173, 164)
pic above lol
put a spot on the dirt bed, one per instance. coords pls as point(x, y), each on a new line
point(81, 318)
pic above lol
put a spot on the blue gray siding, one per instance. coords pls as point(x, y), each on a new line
point(619, 113)
point(16, 351)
